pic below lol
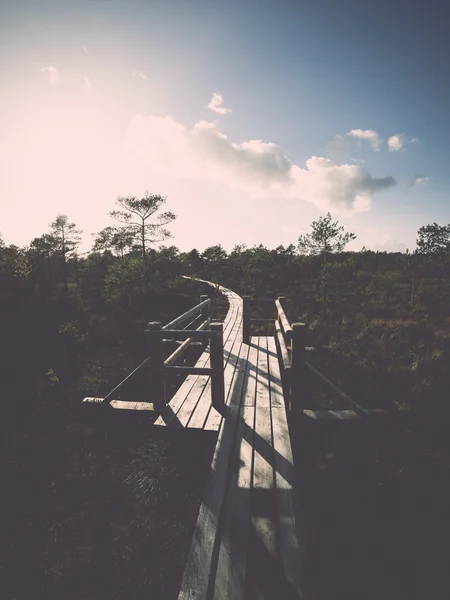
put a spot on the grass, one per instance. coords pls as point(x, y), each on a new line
point(103, 509)
point(95, 509)
point(96, 506)
point(375, 501)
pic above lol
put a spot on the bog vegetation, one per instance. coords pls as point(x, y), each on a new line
point(72, 327)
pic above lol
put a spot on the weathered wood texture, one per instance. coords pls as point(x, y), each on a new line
point(170, 360)
point(195, 310)
point(246, 542)
point(155, 373)
point(281, 308)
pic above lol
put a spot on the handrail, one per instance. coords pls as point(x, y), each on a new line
point(292, 347)
point(283, 318)
point(157, 366)
point(189, 313)
point(181, 349)
point(283, 347)
point(158, 334)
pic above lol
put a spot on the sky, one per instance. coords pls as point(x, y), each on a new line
point(253, 118)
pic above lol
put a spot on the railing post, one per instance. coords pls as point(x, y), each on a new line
point(298, 343)
point(246, 319)
point(205, 314)
point(282, 300)
point(156, 367)
point(216, 357)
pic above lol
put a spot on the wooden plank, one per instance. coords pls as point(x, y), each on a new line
point(185, 316)
point(263, 552)
point(234, 375)
point(190, 370)
point(204, 408)
point(170, 360)
point(184, 414)
point(249, 392)
point(130, 405)
point(205, 415)
point(262, 387)
point(183, 392)
point(290, 536)
point(276, 387)
point(283, 348)
point(182, 334)
point(199, 562)
point(283, 320)
point(230, 576)
point(199, 415)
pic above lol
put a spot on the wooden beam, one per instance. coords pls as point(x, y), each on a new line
point(216, 361)
point(246, 319)
point(276, 387)
point(356, 407)
point(291, 538)
point(280, 304)
point(283, 348)
point(181, 349)
point(155, 366)
point(122, 404)
point(230, 580)
point(185, 316)
point(190, 370)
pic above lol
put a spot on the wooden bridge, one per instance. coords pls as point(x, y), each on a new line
point(248, 541)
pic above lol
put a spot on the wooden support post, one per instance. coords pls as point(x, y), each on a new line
point(217, 377)
point(205, 315)
point(156, 367)
point(297, 399)
point(246, 319)
point(283, 318)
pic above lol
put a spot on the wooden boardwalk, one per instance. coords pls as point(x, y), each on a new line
point(247, 542)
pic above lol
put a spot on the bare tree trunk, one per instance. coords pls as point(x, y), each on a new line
point(143, 238)
point(64, 269)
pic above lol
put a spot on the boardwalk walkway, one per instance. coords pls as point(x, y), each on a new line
point(247, 542)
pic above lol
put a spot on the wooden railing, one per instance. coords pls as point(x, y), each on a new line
point(199, 329)
point(292, 349)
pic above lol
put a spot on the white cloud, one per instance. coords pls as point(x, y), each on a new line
point(420, 180)
point(367, 134)
point(414, 140)
point(358, 161)
point(84, 48)
point(87, 83)
point(215, 104)
point(139, 75)
point(161, 146)
point(396, 142)
point(378, 239)
point(53, 73)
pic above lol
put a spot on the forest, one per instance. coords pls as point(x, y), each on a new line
point(95, 509)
